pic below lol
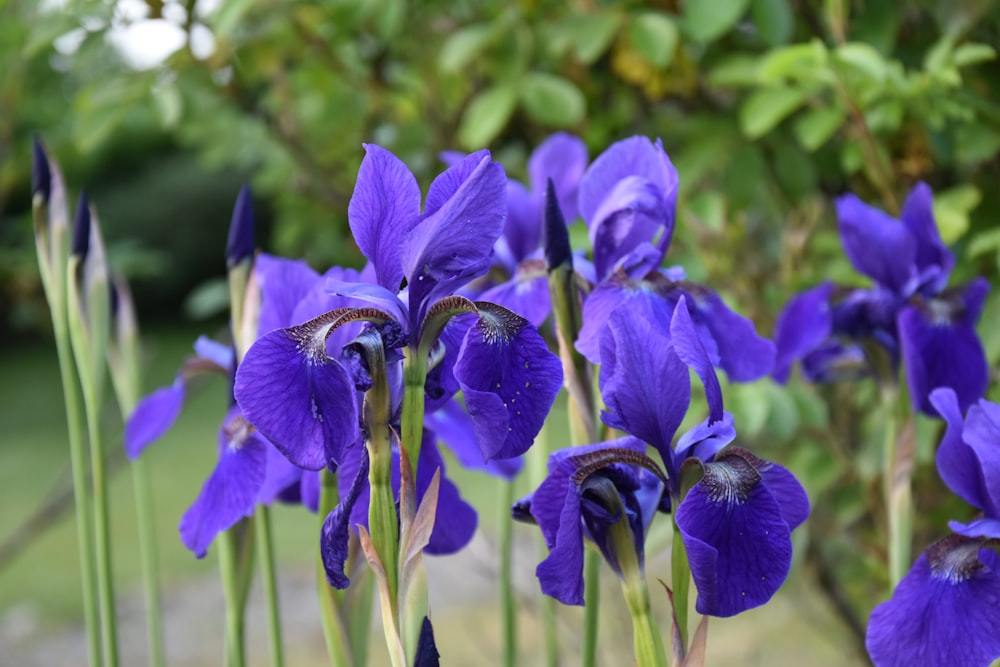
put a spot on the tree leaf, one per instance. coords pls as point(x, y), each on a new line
point(654, 35)
point(552, 100)
point(815, 126)
point(706, 21)
point(952, 208)
point(973, 54)
point(486, 116)
point(863, 58)
point(774, 20)
point(462, 46)
point(590, 35)
point(764, 109)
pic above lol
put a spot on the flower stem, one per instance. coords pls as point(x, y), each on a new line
point(337, 645)
point(228, 569)
point(648, 643)
point(897, 472)
point(591, 606)
point(680, 580)
point(412, 416)
point(265, 544)
point(150, 566)
point(508, 617)
point(537, 461)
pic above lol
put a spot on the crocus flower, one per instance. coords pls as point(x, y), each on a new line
point(843, 333)
point(628, 198)
point(946, 610)
point(506, 373)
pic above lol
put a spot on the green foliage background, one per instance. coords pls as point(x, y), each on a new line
point(768, 108)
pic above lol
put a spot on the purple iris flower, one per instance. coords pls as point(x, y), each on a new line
point(841, 333)
point(628, 198)
point(299, 393)
point(736, 522)
point(946, 610)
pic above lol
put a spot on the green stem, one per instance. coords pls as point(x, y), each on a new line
point(537, 463)
point(147, 554)
point(412, 416)
point(265, 544)
point(337, 645)
point(648, 643)
point(359, 600)
point(591, 606)
point(680, 580)
point(898, 492)
point(508, 616)
point(78, 463)
point(231, 585)
point(382, 517)
point(102, 532)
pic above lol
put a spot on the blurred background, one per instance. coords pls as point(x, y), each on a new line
point(768, 108)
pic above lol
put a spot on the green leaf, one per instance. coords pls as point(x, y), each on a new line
point(227, 17)
point(984, 242)
point(739, 70)
point(590, 35)
point(815, 126)
point(851, 157)
point(169, 103)
point(654, 35)
point(863, 58)
point(707, 20)
point(973, 54)
point(552, 100)
point(952, 208)
point(803, 62)
point(462, 46)
point(774, 20)
point(486, 116)
point(765, 108)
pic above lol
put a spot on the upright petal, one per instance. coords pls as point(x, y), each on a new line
point(526, 293)
point(385, 202)
point(509, 379)
point(982, 433)
point(945, 611)
point(933, 258)
point(283, 283)
point(957, 463)
point(231, 491)
point(688, 347)
point(877, 244)
point(301, 399)
point(803, 325)
point(563, 158)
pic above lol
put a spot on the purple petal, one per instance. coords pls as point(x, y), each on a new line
point(634, 296)
point(375, 295)
point(220, 355)
point(455, 520)
point(522, 232)
point(957, 463)
point(738, 544)
point(941, 354)
point(743, 354)
point(556, 507)
point(448, 182)
point(933, 258)
point(633, 213)
point(877, 244)
point(804, 324)
point(303, 402)
point(309, 490)
point(454, 427)
point(563, 158)
point(787, 491)
point(703, 441)
point(527, 294)
point(283, 283)
point(988, 528)
point(335, 535)
point(386, 200)
point(153, 416)
point(938, 616)
point(688, 347)
point(645, 385)
point(231, 491)
point(509, 379)
point(982, 433)
point(281, 476)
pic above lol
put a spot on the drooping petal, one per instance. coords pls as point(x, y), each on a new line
point(786, 489)
point(231, 491)
point(303, 401)
point(561, 573)
point(455, 520)
point(933, 258)
point(335, 535)
point(563, 158)
point(985, 527)
point(940, 348)
point(688, 347)
point(282, 480)
point(877, 244)
point(737, 541)
point(803, 325)
point(957, 463)
point(283, 283)
point(385, 202)
point(982, 433)
point(638, 297)
point(945, 611)
point(509, 379)
point(703, 441)
point(645, 385)
point(454, 427)
point(743, 354)
point(153, 416)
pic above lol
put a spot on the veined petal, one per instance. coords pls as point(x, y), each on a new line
point(941, 348)
point(737, 541)
point(743, 353)
point(303, 401)
point(455, 520)
point(633, 213)
point(231, 491)
point(803, 325)
point(688, 347)
point(335, 535)
point(376, 295)
point(645, 385)
point(933, 258)
point(454, 427)
point(283, 283)
point(877, 244)
point(561, 573)
point(526, 294)
point(957, 463)
point(509, 379)
point(982, 433)
point(152, 417)
point(563, 158)
point(703, 441)
point(945, 611)
point(385, 202)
